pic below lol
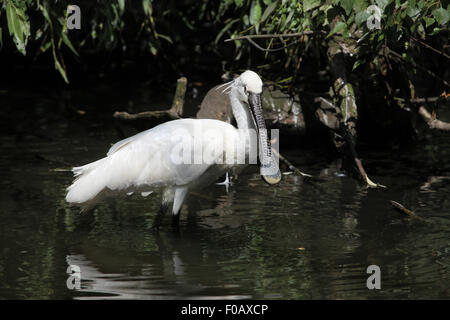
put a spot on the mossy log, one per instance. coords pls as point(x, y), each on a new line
point(341, 114)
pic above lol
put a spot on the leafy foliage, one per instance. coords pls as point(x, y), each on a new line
point(399, 21)
point(135, 25)
point(102, 30)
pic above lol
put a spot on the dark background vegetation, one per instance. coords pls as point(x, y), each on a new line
point(152, 43)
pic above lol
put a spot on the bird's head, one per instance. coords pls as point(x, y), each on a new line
point(248, 88)
point(248, 84)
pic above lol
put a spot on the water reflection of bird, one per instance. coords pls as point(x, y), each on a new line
point(180, 155)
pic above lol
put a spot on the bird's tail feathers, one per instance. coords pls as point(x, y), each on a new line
point(89, 184)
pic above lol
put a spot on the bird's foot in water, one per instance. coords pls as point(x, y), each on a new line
point(227, 183)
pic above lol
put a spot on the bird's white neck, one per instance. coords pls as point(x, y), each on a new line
point(244, 122)
point(240, 112)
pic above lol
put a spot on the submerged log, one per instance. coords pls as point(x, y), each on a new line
point(402, 209)
point(341, 114)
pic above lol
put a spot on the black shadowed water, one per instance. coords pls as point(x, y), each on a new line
point(298, 240)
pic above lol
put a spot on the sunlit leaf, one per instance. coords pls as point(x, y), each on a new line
point(347, 5)
point(18, 25)
point(441, 15)
point(228, 26)
point(360, 5)
point(68, 43)
point(165, 37)
point(288, 19)
point(153, 49)
point(255, 13)
point(146, 6)
point(428, 21)
point(45, 46)
point(239, 3)
point(309, 4)
point(338, 28)
point(361, 17)
point(61, 71)
point(356, 64)
point(381, 4)
point(121, 5)
point(268, 11)
point(412, 12)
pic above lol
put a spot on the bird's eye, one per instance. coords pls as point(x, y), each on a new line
point(245, 89)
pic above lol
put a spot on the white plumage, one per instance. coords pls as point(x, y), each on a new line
point(172, 158)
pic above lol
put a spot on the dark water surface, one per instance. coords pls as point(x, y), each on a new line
point(298, 240)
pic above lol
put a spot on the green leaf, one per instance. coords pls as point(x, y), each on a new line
point(412, 12)
point(146, 6)
point(67, 42)
point(45, 46)
point(441, 15)
point(347, 5)
point(360, 5)
point(338, 27)
point(45, 14)
point(288, 19)
point(420, 29)
point(268, 11)
point(121, 6)
point(153, 49)
point(361, 17)
point(18, 25)
point(428, 21)
point(356, 65)
point(228, 26)
point(61, 71)
point(245, 20)
point(167, 38)
point(239, 3)
point(255, 14)
point(309, 4)
point(381, 4)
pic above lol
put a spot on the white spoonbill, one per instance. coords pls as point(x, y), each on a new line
point(181, 155)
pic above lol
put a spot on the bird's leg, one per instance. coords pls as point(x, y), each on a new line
point(176, 220)
point(159, 216)
point(227, 182)
point(180, 194)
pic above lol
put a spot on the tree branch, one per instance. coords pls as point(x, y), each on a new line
point(430, 47)
point(429, 72)
point(257, 46)
point(431, 120)
point(269, 36)
point(175, 112)
point(290, 165)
